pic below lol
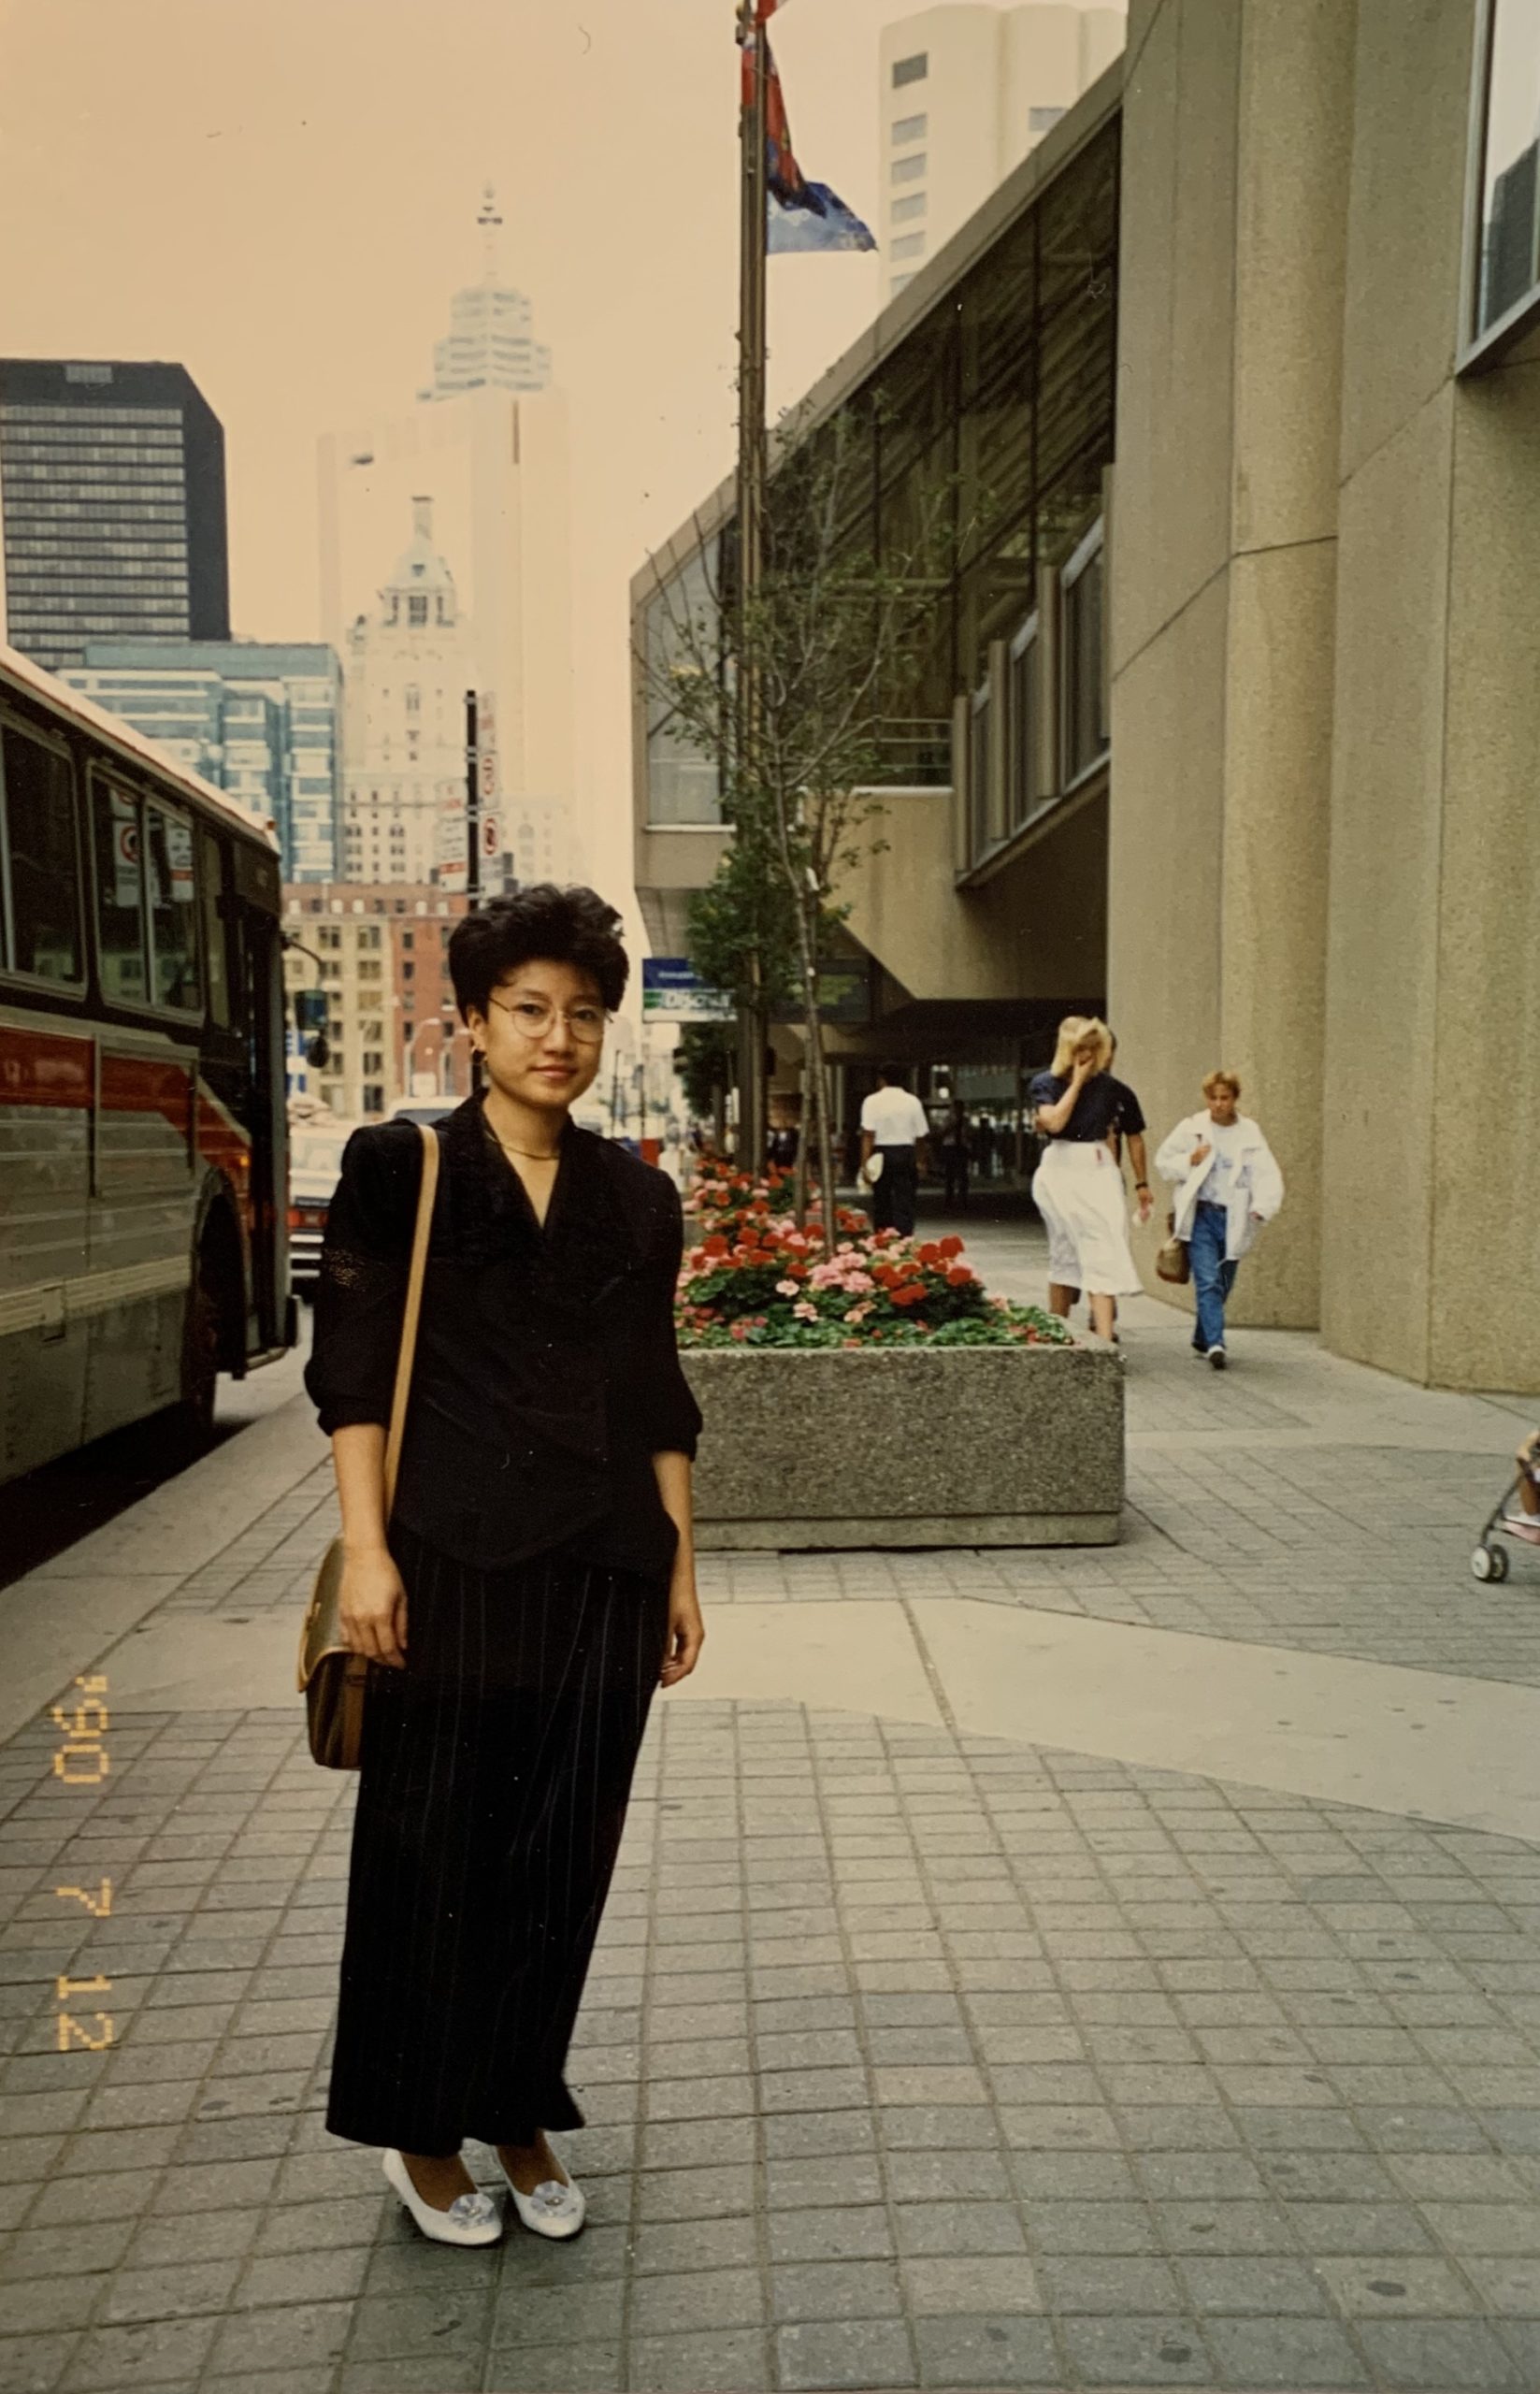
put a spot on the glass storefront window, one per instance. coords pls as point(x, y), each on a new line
point(1085, 713)
point(1504, 279)
point(1023, 728)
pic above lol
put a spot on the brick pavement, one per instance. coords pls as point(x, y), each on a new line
point(910, 2059)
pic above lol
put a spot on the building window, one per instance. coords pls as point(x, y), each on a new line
point(908, 128)
point(909, 245)
point(979, 808)
point(1084, 705)
point(415, 698)
point(1042, 119)
point(900, 282)
point(1023, 726)
point(904, 210)
point(910, 70)
point(417, 610)
point(1503, 258)
point(908, 171)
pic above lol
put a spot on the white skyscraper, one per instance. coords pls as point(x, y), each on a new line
point(487, 445)
point(966, 91)
point(407, 664)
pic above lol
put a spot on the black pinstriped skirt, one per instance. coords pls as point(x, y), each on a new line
point(494, 1776)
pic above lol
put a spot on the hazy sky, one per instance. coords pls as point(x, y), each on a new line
point(281, 195)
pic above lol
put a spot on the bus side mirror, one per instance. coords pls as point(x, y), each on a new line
point(310, 1011)
point(318, 1053)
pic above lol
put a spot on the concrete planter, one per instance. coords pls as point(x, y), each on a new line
point(985, 1445)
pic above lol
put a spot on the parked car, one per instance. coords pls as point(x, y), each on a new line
point(315, 1159)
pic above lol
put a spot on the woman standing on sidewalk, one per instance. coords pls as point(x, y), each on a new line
point(1078, 1187)
point(535, 1581)
point(1230, 1185)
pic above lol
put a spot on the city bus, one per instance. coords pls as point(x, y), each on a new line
point(143, 1141)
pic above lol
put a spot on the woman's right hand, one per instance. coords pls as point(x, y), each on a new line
point(1200, 1153)
point(373, 1607)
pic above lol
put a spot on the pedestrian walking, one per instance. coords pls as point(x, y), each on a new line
point(533, 1585)
point(957, 1153)
point(1127, 1121)
point(1077, 1187)
point(895, 1127)
point(1230, 1185)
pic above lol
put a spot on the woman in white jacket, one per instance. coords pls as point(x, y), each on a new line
point(1230, 1185)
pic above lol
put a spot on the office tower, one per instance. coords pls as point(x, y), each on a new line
point(966, 91)
point(261, 719)
point(112, 504)
point(488, 445)
point(408, 669)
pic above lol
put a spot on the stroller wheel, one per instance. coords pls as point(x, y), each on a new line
point(1489, 1562)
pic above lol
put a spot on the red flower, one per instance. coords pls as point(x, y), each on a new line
point(951, 1244)
point(959, 1277)
point(930, 1252)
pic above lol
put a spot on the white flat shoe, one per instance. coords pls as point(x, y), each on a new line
point(557, 2207)
point(470, 2219)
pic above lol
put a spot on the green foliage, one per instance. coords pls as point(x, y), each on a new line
point(706, 1059)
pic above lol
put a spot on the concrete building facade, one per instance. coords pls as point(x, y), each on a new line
point(1325, 689)
point(113, 509)
point(1307, 847)
point(379, 951)
point(408, 665)
point(965, 92)
point(262, 719)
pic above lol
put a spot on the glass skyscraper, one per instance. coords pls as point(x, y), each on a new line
point(112, 492)
point(261, 719)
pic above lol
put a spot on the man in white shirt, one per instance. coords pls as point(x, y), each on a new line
point(894, 1125)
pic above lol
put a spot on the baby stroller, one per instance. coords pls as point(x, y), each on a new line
point(1489, 1561)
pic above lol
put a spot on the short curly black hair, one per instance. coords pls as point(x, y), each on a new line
point(573, 926)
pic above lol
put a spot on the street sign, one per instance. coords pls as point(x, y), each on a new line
point(673, 992)
point(489, 835)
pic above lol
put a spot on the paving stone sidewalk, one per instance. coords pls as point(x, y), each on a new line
point(910, 2060)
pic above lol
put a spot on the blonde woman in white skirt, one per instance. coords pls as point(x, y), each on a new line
point(1078, 1185)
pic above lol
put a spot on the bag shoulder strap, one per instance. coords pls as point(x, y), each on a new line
point(425, 1192)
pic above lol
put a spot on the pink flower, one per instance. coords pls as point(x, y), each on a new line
point(857, 1313)
point(786, 1288)
point(804, 1312)
point(740, 1330)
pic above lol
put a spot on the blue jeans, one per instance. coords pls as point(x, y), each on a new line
point(1212, 1277)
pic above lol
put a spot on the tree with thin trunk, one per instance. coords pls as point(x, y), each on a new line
point(826, 641)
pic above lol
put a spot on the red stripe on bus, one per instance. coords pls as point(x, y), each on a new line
point(38, 1068)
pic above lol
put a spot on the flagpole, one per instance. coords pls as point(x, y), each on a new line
point(753, 202)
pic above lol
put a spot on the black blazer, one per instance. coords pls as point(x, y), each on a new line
point(547, 1374)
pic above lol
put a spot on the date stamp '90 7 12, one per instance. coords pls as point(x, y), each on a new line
point(81, 1761)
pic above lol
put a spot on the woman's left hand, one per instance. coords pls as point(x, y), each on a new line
point(687, 1635)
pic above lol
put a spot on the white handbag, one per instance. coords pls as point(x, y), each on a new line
point(872, 1171)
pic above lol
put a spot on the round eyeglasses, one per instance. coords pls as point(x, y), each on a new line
point(533, 1018)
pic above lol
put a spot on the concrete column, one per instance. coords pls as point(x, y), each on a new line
point(1237, 129)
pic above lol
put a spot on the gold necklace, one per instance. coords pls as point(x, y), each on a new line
point(535, 1155)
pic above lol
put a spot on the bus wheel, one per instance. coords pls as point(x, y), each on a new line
point(200, 1359)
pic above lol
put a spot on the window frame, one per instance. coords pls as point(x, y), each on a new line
point(106, 777)
point(173, 814)
point(1028, 637)
point(1477, 349)
point(1090, 547)
point(12, 721)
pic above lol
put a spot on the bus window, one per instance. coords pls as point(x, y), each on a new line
point(216, 938)
point(173, 906)
point(120, 900)
point(42, 879)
